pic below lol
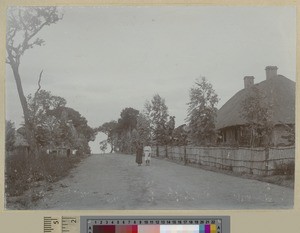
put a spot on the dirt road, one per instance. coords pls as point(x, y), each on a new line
point(114, 181)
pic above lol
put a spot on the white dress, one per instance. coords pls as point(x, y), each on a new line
point(147, 153)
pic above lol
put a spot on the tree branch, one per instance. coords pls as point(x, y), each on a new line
point(39, 83)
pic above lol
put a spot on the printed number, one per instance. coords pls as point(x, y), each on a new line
point(56, 222)
point(73, 221)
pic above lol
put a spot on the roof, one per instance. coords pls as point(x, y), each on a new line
point(279, 90)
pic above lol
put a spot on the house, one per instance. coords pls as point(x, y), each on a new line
point(279, 91)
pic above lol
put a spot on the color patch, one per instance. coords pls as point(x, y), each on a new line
point(201, 228)
point(104, 229)
point(126, 228)
point(207, 228)
point(179, 229)
point(213, 228)
point(149, 229)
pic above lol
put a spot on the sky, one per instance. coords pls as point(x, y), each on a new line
point(104, 59)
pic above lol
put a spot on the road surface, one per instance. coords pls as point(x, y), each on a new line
point(114, 181)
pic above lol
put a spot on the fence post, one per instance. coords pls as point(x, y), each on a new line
point(184, 157)
point(167, 151)
point(157, 151)
point(266, 160)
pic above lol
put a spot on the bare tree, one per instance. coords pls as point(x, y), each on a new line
point(23, 24)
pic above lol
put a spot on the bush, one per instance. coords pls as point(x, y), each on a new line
point(285, 169)
point(21, 172)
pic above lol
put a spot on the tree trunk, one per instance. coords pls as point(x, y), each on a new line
point(28, 131)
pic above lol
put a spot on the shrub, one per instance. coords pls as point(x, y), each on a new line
point(285, 169)
point(21, 172)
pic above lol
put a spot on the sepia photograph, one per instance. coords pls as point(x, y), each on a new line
point(150, 107)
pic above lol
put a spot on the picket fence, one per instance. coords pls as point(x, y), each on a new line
point(257, 161)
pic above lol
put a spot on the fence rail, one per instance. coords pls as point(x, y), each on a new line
point(257, 161)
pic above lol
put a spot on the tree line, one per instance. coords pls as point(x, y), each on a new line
point(53, 125)
point(154, 125)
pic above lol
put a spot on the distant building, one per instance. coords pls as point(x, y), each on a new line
point(278, 90)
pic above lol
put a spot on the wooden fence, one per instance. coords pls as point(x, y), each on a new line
point(257, 161)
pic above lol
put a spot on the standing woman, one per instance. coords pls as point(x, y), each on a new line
point(139, 153)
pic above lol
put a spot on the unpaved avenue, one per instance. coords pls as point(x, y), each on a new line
point(114, 181)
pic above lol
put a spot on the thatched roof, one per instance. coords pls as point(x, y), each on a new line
point(279, 90)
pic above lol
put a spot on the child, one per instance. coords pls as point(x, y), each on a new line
point(147, 153)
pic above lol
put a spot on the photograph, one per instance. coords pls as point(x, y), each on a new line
point(179, 107)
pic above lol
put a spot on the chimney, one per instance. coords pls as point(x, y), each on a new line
point(248, 81)
point(271, 71)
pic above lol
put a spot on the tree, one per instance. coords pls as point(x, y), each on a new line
point(257, 111)
point(55, 125)
point(202, 112)
point(9, 135)
point(45, 126)
point(74, 129)
point(180, 135)
point(143, 128)
point(170, 126)
point(109, 128)
point(157, 111)
point(103, 145)
point(124, 131)
point(23, 24)
point(128, 119)
point(290, 134)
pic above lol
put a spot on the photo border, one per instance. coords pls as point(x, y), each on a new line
point(274, 221)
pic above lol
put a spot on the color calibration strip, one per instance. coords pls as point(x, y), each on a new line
point(207, 228)
point(155, 225)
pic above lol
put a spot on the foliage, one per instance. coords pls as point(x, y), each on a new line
point(109, 128)
point(74, 129)
point(21, 173)
point(202, 112)
point(257, 112)
point(285, 169)
point(45, 127)
point(143, 129)
point(290, 136)
point(9, 135)
point(157, 111)
point(121, 134)
point(23, 25)
point(126, 130)
point(55, 125)
point(103, 146)
point(128, 119)
point(180, 135)
point(170, 126)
